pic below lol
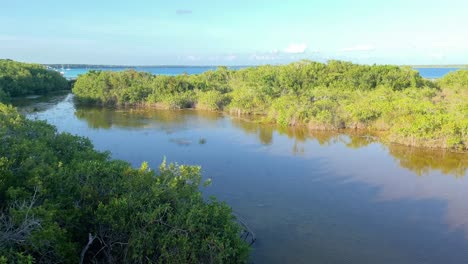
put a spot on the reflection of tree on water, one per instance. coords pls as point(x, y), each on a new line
point(422, 161)
point(300, 134)
point(264, 132)
point(298, 149)
point(167, 120)
point(96, 118)
point(360, 140)
point(40, 103)
point(105, 118)
point(419, 160)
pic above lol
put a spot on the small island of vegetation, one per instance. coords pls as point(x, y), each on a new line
point(395, 101)
point(20, 79)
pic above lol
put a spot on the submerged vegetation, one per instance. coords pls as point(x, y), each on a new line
point(396, 100)
point(19, 79)
point(61, 201)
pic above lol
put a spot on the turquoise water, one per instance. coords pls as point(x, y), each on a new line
point(310, 197)
point(434, 73)
point(431, 73)
point(74, 72)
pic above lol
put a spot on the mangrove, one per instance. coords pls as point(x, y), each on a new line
point(396, 101)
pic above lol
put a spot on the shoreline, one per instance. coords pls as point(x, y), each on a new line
point(380, 134)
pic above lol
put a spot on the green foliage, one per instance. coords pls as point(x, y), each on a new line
point(212, 100)
point(17, 79)
point(250, 89)
point(289, 110)
point(247, 100)
point(457, 79)
point(60, 198)
point(178, 101)
point(335, 95)
point(4, 97)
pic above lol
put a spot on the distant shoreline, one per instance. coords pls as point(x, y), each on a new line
point(79, 66)
point(75, 66)
point(460, 66)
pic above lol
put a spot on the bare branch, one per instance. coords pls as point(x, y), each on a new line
point(83, 252)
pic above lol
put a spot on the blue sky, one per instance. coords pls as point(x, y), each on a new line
point(182, 32)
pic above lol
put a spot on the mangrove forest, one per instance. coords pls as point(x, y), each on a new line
point(395, 101)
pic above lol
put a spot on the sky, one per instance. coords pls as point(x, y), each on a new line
point(242, 32)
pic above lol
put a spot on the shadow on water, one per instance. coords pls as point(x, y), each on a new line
point(39, 103)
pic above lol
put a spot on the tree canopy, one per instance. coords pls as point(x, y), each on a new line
point(18, 79)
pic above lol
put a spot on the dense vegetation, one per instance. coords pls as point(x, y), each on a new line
point(17, 79)
point(411, 110)
point(61, 202)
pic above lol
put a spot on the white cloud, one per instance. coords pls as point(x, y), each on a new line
point(264, 56)
point(359, 48)
point(296, 48)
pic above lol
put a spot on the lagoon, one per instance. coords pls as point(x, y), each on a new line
point(310, 197)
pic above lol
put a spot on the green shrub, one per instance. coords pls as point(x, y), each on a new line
point(457, 79)
point(4, 97)
point(18, 79)
point(57, 195)
point(212, 100)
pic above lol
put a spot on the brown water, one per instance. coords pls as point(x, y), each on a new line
point(310, 197)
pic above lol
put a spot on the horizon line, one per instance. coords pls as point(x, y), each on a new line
point(452, 65)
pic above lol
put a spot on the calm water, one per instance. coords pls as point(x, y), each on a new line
point(434, 73)
point(430, 73)
point(310, 197)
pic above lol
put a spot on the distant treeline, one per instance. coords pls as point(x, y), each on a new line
point(336, 95)
point(105, 66)
point(18, 79)
point(459, 66)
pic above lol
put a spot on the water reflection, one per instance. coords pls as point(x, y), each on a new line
point(422, 161)
point(39, 103)
point(419, 160)
point(311, 196)
point(264, 132)
point(168, 120)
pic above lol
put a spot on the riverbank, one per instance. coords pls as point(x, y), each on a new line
point(397, 101)
point(379, 133)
